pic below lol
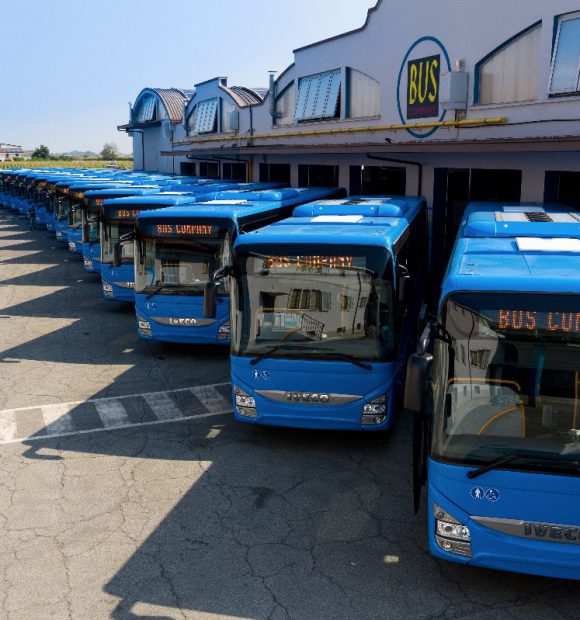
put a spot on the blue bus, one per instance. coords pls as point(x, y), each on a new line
point(325, 308)
point(41, 186)
point(91, 211)
point(117, 229)
point(495, 388)
point(62, 203)
point(77, 200)
point(178, 251)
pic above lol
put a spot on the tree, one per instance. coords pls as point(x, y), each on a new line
point(41, 152)
point(110, 151)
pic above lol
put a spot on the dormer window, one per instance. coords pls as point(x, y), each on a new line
point(146, 110)
point(318, 97)
point(565, 78)
point(206, 116)
point(510, 73)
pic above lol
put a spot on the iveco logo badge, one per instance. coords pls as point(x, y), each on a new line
point(548, 532)
point(304, 397)
point(555, 532)
point(182, 321)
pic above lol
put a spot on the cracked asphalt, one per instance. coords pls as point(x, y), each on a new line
point(201, 519)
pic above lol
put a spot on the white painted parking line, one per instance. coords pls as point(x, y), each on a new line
point(7, 425)
point(57, 418)
point(213, 401)
point(112, 413)
point(163, 406)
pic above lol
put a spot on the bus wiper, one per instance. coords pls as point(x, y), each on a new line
point(329, 355)
point(502, 460)
point(345, 357)
point(513, 456)
point(270, 351)
point(155, 291)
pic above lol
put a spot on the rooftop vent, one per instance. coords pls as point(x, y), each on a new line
point(536, 216)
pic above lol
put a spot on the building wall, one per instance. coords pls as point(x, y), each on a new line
point(398, 32)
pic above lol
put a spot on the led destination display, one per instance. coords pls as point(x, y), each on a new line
point(181, 229)
point(530, 321)
point(309, 262)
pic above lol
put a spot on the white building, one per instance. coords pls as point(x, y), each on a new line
point(13, 152)
point(455, 101)
point(153, 119)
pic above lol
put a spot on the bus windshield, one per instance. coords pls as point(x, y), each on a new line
point(90, 219)
point(313, 301)
point(61, 207)
point(507, 381)
point(76, 213)
point(111, 232)
point(182, 262)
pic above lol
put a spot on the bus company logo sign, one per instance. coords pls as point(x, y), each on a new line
point(418, 84)
point(423, 87)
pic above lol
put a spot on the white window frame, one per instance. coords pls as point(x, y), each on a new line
point(561, 20)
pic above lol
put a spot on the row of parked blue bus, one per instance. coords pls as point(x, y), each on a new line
point(321, 298)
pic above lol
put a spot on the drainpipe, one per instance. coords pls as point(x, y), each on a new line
point(407, 163)
point(272, 96)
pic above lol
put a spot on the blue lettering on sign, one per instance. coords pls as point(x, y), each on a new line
point(477, 493)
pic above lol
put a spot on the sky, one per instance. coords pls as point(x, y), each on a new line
point(69, 67)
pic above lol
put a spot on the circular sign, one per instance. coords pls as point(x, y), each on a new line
point(418, 84)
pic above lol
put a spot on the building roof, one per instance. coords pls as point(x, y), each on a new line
point(174, 101)
point(248, 96)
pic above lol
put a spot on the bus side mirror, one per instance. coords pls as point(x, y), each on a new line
point(403, 283)
point(210, 292)
point(418, 374)
point(403, 287)
point(210, 299)
point(117, 254)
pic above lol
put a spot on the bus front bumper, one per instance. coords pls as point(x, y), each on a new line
point(313, 394)
point(520, 522)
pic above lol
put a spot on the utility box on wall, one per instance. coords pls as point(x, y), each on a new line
point(453, 92)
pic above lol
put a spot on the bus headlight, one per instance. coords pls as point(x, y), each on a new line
point(107, 289)
point(245, 404)
point(375, 412)
point(224, 331)
point(143, 326)
point(451, 535)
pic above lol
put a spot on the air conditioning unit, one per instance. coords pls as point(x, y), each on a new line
point(453, 93)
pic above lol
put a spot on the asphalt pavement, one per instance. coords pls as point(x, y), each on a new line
point(128, 491)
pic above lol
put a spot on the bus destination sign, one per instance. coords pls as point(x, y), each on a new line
point(531, 321)
point(308, 262)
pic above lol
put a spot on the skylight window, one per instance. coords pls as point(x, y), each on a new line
point(565, 76)
point(318, 97)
